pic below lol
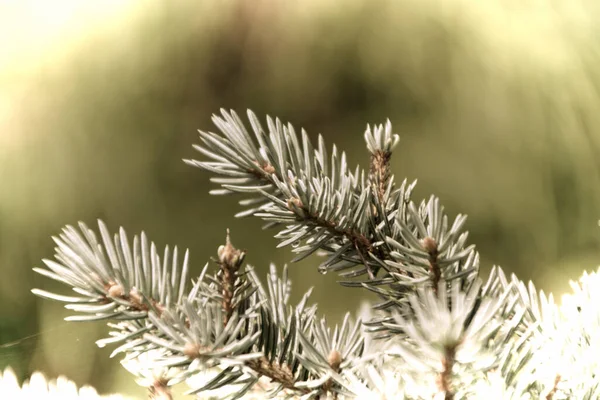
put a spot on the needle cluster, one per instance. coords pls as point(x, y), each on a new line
point(439, 331)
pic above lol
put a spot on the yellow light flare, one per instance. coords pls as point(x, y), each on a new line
point(39, 35)
point(32, 30)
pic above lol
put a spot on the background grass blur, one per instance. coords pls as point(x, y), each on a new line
point(497, 103)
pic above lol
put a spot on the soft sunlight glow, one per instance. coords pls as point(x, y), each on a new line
point(36, 29)
point(36, 37)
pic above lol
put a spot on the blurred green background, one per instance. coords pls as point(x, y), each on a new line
point(497, 104)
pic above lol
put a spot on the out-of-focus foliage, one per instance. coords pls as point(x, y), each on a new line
point(41, 388)
point(496, 102)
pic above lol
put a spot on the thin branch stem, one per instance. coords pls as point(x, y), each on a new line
point(278, 373)
point(379, 175)
point(550, 395)
point(230, 261)
point(134, 297)
point(160, 391)
point(444, 379)
point(435, 272)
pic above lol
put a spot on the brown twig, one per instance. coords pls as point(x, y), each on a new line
point(379, 176)
point(362, 243)
point(230, 261)
point(431, 247)
point(550, 395)
point(160, 391)
point(444, 378)
point(280, 373)
point(295, 204)
point(134, 297)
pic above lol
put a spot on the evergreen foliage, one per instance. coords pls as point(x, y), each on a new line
point(439, 331)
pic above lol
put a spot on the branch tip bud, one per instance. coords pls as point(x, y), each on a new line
point(115, 290)
point(430, 245)
point(295, 205)
point(334, 359)
point(229, 255)
point(191, 350)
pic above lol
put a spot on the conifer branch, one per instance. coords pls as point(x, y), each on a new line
point(320, 203)
point(227, 321)
point(439, 331)
point(114, 279)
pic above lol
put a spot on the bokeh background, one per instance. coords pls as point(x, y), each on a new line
point(497, 104)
